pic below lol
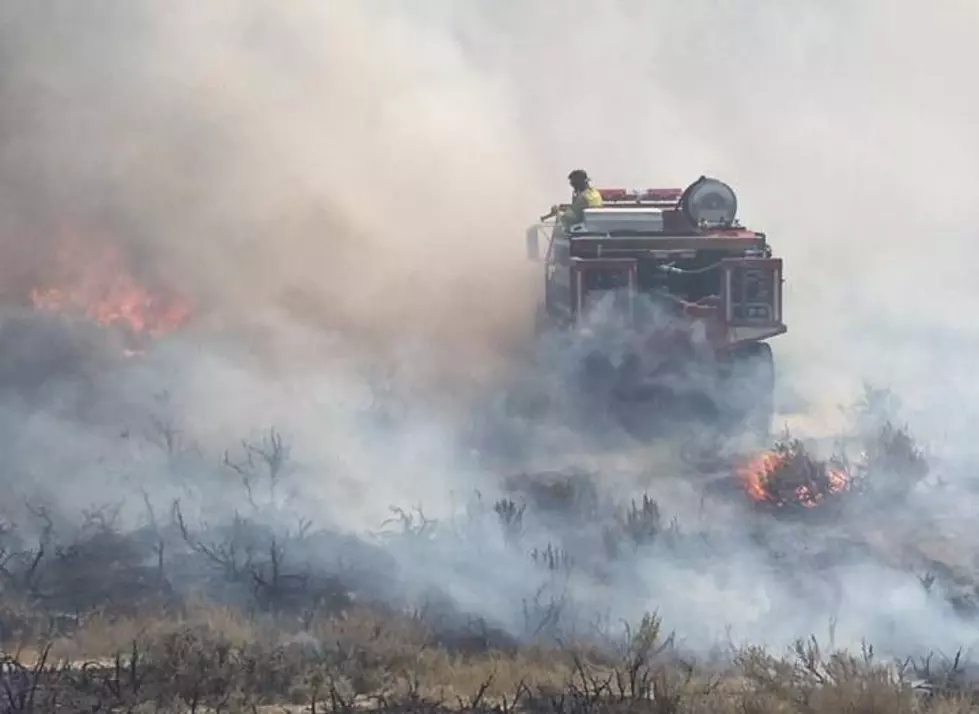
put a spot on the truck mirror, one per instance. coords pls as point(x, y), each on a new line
point(533, 244)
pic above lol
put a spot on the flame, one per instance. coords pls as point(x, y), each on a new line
point(95, 282)
point(761, 474)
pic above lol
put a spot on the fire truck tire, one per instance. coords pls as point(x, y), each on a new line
point(751, 388)
point(540, 320)
point(598, 374)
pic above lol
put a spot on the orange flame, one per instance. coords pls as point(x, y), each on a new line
point(96, 282)
point(760, 473)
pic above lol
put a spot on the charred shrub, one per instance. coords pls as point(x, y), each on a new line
point(569, 494)
point(511, 517)
point(642, 523)
point(891, 465)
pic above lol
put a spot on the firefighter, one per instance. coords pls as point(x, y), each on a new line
point(583, 196)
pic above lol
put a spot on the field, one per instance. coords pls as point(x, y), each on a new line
point(201, 657)
point(266, 611)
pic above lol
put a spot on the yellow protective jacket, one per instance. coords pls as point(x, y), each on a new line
point(589, 198)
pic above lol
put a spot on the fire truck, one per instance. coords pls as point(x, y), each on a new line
point(687, 295)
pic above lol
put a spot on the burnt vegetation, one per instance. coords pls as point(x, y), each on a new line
point(257, 607)
point(886, 469)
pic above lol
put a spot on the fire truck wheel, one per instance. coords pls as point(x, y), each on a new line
point(598, 374)
point(750, 388)
point(541, 321)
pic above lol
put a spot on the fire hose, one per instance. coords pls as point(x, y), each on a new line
point(671, 269)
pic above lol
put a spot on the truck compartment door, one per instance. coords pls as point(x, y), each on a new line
point(751, 292)
point(593, 279)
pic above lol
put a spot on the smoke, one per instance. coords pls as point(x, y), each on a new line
point(342, 189)
point(277, 171)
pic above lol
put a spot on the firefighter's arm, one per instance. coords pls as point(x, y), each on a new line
point(575, 212)
point(550, 214)
point(568, 217)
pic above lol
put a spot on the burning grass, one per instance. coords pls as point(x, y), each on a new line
point(94, 280)
point(789, 477)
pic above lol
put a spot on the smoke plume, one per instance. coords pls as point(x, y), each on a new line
point(342, 188)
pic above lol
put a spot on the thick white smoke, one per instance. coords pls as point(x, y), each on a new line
point(343, 187)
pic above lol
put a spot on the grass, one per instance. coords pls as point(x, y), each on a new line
point(206, 658)
point(242, 617)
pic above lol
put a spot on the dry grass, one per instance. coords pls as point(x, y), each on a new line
point(90, 620)
point(196, 655)
point(212, 659)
